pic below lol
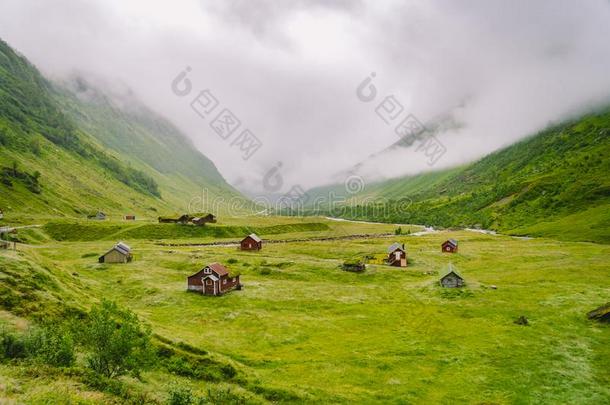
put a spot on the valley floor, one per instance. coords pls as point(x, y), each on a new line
point(303, 326)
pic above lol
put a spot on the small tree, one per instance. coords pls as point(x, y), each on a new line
point(398, 231)
point(117, 341)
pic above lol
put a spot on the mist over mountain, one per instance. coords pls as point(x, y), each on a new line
point(498, 71)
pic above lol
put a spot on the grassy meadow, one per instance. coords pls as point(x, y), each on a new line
point(304, 331)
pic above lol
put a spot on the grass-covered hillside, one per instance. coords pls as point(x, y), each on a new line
point(60, 154)
point(555, 183)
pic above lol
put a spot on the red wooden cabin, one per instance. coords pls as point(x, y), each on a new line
point(251, 242)
point(450, 246)
point(397, 256)
point(213, 279)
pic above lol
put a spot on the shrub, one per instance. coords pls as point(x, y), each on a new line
point(12, 345)
point(51, 344)
point(116, 340)
point(232, 261)
point(181, 395)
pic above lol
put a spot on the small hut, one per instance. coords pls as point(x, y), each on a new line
point(4, 244)
point(397, 255)
point(251, 242)
point(129, 217)
point(120, 253)
point(450, 278)
point(204, 219)
point(354, 265)
point(213, 279)
point(100, 216)
point(1, 214)
point(449, 246)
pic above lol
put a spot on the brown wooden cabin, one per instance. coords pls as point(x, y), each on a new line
point(449, 246)
point(120, 253)
point(4, 244)
point(182, 219)
point(1, 214)
point(213, 279)
point(129, 217)
point(207, 219)
point(450, 278)
point(251, 242)
point(397, 255)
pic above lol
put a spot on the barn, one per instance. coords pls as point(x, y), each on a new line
point(205, 219)
point(129, 217)
point(449, 246)
point(397, 255)
point(120, 253)
point(213, 279)
point(251, 242)
point(451, 278)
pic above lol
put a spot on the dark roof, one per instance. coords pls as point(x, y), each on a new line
point(120, 247)
point(123, 248)
point(395, 246)
point(452, 241)
point(254, 236)
point(218, 269)
point(448, 270)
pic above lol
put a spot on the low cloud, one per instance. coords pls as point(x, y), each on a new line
point(289, 71)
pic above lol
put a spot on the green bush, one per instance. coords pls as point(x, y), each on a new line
point(116, 341)
point(51, 344)
point(12, 345)
point(180, 395)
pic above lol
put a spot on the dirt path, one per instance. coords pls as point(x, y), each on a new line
point(302, 240)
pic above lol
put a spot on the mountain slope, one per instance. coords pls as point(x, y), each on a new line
point(531, 187)
point(61, 154)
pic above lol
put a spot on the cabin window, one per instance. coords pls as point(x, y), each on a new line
point(207, 271)
point(224, 281)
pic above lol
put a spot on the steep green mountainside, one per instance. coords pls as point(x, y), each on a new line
point(555, 183)
point(149, 141)
point(61, 155)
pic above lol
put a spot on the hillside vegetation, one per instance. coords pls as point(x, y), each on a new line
point(555, 183)
point(303, 330)
point(56, 157)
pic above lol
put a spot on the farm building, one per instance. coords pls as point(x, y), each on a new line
point(397, 256)
point(182, 219)
point(4, 244)
point(120, 253)
point(1, 214)
point(213, 279)
point(129, 217)
point(98, 215)
point(251, 242)
point(450, 246)
point(205, 219)
point(450, 278)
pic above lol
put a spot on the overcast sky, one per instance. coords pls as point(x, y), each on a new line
point(492, 71)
